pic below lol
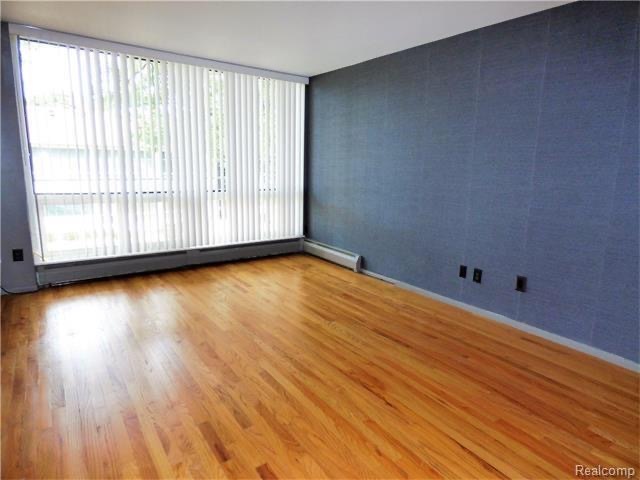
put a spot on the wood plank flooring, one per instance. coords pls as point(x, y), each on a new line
point(291, 367)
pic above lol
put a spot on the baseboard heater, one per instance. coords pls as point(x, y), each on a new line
point(66, 272)
point(336, 255)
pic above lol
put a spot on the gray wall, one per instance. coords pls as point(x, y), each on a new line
point(14, 224)
point(513, 148)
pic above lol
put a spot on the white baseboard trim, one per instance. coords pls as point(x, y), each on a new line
point(332, 254)
point(109, 267)
point(567, 342)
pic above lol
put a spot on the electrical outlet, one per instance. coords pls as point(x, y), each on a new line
point(463, 271)
point(18, 255)
point(521, 283)
point(477, 275)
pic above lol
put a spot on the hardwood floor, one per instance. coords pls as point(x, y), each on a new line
point(291, 367)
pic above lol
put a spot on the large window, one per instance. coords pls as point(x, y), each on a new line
point(131, 155)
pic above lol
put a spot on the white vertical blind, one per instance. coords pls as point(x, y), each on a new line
point(132, 155)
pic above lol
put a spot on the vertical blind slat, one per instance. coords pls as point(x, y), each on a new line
point(134, 155)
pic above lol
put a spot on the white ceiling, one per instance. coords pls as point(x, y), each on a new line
point(305, 38)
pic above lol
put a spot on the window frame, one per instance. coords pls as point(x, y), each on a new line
point(35, 203)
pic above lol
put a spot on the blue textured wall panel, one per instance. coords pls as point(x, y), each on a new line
point(589, 65)
point(512, 148)
point(509, 97)
point(616, 327)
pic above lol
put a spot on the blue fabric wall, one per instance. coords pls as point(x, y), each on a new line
point(513, 148)
point(15, 276)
